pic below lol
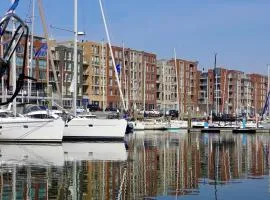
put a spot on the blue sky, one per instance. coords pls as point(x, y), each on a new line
point(238, 30)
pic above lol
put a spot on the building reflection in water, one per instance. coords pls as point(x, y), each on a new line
point(155, 164)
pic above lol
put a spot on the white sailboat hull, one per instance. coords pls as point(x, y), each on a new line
point(23, 129)
point(177, 124)
point(149, 125)
point(94, 151)
point(31, 154)
point(87, 128)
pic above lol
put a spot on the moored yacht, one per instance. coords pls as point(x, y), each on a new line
point(88, 126)
point(35, 126)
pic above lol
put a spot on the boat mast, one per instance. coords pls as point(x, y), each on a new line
point(228, 93)
point(14, 68)
point(268, 89)
point(207, 91)
point(177, 83)
point(237, 95)
point(30, 70)
point(215, 74)
point(144, 82)
point(133, 83)
point(125, 76)
point(50, 55)
point(163, 80)
point(113, 60)
point(75, 56)
point(247, 97)
point(103, 75)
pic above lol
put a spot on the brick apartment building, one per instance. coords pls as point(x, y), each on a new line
point(231, 91)
point(137, 76)
point(188, 84)
point(95, 73)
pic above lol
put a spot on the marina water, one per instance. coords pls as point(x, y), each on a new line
point(147, 165)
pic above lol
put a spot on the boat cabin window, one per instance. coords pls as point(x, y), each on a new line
point(40, 116)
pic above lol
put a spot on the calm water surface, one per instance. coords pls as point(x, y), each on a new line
point(149, 165)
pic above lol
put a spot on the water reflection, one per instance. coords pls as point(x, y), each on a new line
point(66, 171)
point(155, 165)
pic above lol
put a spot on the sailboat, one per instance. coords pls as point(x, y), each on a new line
point(16, 127)
point(176, 123)
point(87, 127)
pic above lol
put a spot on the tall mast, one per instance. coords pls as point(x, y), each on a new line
point(50, 55)
point(125, 76)
point(268, 88)
point(75, 57)
point(163, 80)
point(228, 93)
point(133, 82)
point(223, 92)
point(14, 69)
point(207, 91)
point(103, 75)
point(30, 70)
point(237, 91)
point(177, 83)
point(215, 74)
point(110, 46)
point(144, 85)
point(247, 97)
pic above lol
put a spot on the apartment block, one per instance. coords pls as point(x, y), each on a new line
point(64, 65)
point(137, 77)
point(95, 73)
point(231, 91)
point(188, 84)
point(258, 91)
point(166, 86)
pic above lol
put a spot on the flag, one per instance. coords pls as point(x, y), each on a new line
point(118, 68)
point(41, 51)
point(13, 6)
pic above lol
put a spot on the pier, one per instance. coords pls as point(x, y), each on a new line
point(228, 130)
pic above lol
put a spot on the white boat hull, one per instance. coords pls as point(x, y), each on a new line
point(31, 154)
point(149, 125)
point(94, 151)
point(87, 128)
point(23, 129)
point(177, 124)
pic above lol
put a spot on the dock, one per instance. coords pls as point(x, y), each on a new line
point(228, 130)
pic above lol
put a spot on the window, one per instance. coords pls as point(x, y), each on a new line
point(110, 81)
point(42, 64)
point(19, 61)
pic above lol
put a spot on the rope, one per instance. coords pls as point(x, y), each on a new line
point(31, 131)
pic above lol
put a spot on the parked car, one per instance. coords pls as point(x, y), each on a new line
point(111, 109)
point(172, 113)
point(93, 107)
